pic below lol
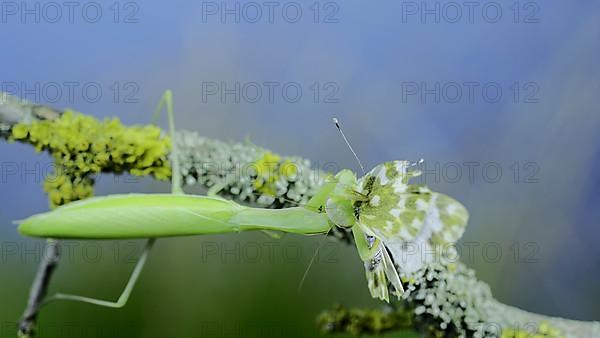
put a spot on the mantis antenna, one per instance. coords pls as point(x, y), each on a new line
point(337, 125)
point(312, 260)
point(176, 179)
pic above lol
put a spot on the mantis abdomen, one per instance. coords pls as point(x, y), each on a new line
point(163, 215)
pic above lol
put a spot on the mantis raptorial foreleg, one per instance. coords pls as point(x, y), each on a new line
point(368, 251)
point(176, 179)
point(365, 250)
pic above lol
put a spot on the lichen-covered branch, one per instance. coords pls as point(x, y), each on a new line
point(449, 299)
point(83, 146)
point(568, 328)
point(442, 300)
point(246, 172)
point(13, 110)
point(365, 321)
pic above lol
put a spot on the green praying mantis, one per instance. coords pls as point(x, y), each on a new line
point(387, 215)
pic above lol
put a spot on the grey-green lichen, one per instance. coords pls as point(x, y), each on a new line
point(439, 298)
point(543, 330)
point(4, 129)
point(245, 172)
point(83, 146)
point(450, 297)
point(447, 300)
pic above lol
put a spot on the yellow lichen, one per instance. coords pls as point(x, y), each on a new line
point(269, 169)
point(83, 146)
point(544, 330)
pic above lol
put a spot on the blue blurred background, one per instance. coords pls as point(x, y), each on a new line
point(509, 89)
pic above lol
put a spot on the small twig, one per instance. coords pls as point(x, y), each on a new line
point(15, 110)
point(39, 288)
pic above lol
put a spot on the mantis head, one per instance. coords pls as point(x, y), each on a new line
point(374, 197)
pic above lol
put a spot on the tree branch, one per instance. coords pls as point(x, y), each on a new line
point(39, 288)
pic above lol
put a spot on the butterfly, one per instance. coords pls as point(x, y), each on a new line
point(394, 223)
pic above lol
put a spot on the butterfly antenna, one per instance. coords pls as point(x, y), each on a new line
point(419, 162)
point(417, 165)
point(312, 260)
point(337, 125)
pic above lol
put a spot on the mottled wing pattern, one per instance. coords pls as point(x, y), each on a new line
point(402, 212)
point(395, 209)
point(451, 216)
point(385, 206)
point(376, 276)
point(379, 270)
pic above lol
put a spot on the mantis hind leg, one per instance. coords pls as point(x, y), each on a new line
point(167, 101)
point(176, 184)
point(124, 297)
